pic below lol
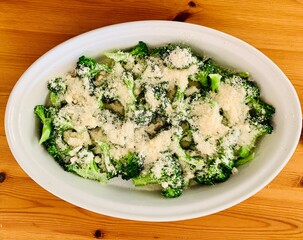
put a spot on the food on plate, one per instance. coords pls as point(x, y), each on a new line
point(165, 116)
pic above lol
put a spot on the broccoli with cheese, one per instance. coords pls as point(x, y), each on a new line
point(163, 116)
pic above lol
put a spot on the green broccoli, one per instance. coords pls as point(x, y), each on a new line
point(58, 148)
point(143, 116)
point(202, 77)
point(130, 166)
point(89, 68)
point(251, 89)
point(62, 122)
point(118, 56)
point(90, 171)
point(128, 80)
point(260, 111)
point(140, 50)
point(46, 119)
point(162, 52)
point(215, 80)
point(57, 88)
point(214, 172)
point(166, 172)
point(107, 159)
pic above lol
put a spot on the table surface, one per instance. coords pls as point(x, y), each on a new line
point(28, 28)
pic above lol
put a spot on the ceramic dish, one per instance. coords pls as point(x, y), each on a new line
point(120, 199)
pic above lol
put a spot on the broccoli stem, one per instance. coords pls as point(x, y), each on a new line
point(144, 180)
point(215, 80)
point(244, 160)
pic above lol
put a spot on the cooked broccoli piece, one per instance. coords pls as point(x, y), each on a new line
point(109, 162)
point(260, 111)
point(201, 76)
point(140, 50)
point(252, 90)
point(57, 88)
point(180, 108)
point(58, 148)
point(209, 76)
point(179, 96)
point(210, 67)
point(182, 154)
point(162, 52)
point(214, 172)
point(128, 79)
point(246, 153)
point(185, 61)
point(130, 166)
point(90, 171)
point(215, 80)
point(244, 160)
point(89, 68)
point(62, 121)
point(244, 75)
point(118, 56)
point(57, 85)
point(160, 93)
point(166, 172)
point(143, 116)
point(45, 116)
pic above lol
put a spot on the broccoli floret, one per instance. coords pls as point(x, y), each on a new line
point(62, 120)
point(108, 161)
point(89, 68)
point(166, 172)
point(57, 88)
point(260, 111)
point(57, 85)
point(130, 166)
point(143, 116)
point(209, 76)
point(246, 153)
point(160, 93)
point(180, 108)
point(140, 50)
point(162, 52)
point(209, 67)
point(45, 116)
point(251, 89)
point(201, 76)
point(90, 171)
point(181, 152)
point(214, 172)
point(58, 148)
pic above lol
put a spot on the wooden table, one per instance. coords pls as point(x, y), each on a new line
point(29, 28)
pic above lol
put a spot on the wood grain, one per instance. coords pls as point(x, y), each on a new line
point(29, 28)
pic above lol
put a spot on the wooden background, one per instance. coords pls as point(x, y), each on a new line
point(28, 28)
